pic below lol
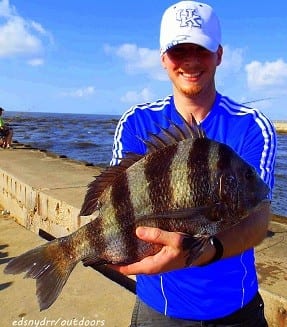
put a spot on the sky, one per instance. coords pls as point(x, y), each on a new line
point(102, 57)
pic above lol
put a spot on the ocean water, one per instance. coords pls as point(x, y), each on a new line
point(90, 137)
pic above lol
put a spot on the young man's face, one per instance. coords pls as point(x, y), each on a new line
point(191, 68)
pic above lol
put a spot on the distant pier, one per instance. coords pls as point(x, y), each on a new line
point(281, 126)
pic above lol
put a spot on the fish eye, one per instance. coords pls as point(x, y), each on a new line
point(249, 174)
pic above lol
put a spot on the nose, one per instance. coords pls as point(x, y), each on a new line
point(190, 60)
point(191, 53)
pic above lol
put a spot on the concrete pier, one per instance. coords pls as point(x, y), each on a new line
point(43, 193)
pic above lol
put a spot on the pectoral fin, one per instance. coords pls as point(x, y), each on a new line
point(190, 220)
point(194, 246)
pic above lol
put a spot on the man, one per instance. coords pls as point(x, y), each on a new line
point(6, 133)
point(220, 288)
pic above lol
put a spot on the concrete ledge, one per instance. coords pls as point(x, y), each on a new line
point(275, 308)
point(46, 192)
point(35, 210)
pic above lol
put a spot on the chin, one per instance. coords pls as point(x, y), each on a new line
point(191, 91)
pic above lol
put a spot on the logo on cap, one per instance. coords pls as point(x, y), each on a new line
point(188, 17)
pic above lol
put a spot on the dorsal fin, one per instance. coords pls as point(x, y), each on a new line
point(173, 134)
point(166, 136)
point(105, 179)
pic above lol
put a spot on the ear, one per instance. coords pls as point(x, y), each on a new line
point(219, 53)
point(162, 60)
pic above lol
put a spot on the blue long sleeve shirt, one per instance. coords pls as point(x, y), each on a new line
point(218, 289)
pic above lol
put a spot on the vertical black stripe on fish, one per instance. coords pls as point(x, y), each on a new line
point(110, 235)
point(124, 215)
point(225, 155)
point(228, 188)
point(158, 175)
point(199, 171)
point(93, 234)
point(120, 197)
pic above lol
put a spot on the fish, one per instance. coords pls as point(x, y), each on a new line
point(185, 183)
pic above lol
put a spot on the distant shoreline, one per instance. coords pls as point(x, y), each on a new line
point(280, 126)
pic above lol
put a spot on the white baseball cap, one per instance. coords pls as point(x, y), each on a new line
point(190, 22)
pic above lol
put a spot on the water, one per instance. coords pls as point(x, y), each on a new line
point(81, 136)
point(90, 137)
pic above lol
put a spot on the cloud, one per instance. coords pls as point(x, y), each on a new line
point(136, 97)
point(139, 60)
point(35, 62)
point(80, 93)
point(38, 27)
point(5, 9)
point(232, 59)
point(267, 74)
point(19, 36)
point(231, 65)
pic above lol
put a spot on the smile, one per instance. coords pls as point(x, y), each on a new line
point(191, 76)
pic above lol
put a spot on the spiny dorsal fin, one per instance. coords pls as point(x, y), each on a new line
point(166, 136)
point(105, 179)
point(173, 134)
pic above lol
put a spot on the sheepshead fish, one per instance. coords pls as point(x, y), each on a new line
point(185, 183)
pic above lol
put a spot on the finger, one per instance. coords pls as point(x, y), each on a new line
point(149, 265)
point(145, 266)
point(132, 269)
point(159, 236)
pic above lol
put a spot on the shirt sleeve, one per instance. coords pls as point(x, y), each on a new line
point(259, 149)
point(126, 140)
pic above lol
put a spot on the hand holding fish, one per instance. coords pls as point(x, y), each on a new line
point(172, 256)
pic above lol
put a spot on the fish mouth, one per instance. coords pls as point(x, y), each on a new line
point(263, 196)
point(264, 202)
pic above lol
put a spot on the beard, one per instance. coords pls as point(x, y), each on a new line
point(185, 88)
point(191, 91)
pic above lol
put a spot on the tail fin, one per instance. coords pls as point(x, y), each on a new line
point(49, 266)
